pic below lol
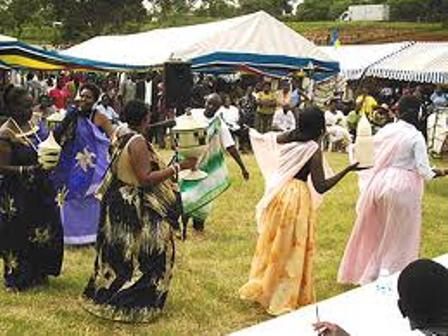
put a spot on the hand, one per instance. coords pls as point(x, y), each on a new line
point(189, 163)
point(355, 167)
point(329, 329)
point(245, 174)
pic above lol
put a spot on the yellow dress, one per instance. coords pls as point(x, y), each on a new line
point(281, 271)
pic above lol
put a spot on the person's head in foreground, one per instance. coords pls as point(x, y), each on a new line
point(423, 299)
point(423, 296)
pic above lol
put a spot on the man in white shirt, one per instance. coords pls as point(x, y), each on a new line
point(230, 114)
point(439, 98)
point(212, 104)
point(338, 134)
point(284, 120)
point(105, 107)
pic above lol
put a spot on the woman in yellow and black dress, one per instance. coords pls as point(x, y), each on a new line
point(135, 247)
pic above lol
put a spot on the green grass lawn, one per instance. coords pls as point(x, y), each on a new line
point(209, 269)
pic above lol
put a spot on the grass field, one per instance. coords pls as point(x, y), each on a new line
point(210, 268)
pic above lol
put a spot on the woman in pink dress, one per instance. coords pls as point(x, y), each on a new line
point(386, 234)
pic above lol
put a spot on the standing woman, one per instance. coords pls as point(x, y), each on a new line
point(280, 277)
point(84, 138)
point(139, 208)
point(30, 229)
point(386, 234)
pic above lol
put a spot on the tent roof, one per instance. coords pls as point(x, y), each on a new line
point(17, 54)
point(252, 39)
point(354, 59)
point(425, 62)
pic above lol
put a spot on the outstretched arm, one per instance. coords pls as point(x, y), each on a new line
point(321, 184)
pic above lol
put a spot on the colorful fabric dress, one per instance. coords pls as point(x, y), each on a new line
point(135, 246)
point(83, 163)
point(198, 196)
point(386, 234)
point(280, 277)
point(31, 243)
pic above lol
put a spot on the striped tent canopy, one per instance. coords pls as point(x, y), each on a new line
point(17, 54)
point(4, 66)
point(355, 59)
point(256, 41)
point(425, 62)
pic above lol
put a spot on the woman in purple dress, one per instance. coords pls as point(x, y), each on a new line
point(84, 137)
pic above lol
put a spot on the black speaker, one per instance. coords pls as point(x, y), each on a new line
point(178, 81)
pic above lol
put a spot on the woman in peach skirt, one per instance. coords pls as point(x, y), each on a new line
point(386, 234)
point(280, 278)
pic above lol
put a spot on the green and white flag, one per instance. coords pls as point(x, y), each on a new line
point(196, 195)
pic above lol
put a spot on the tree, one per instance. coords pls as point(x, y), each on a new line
point(273, 7)
point(85, 18)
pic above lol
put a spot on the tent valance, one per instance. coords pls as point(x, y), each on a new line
point(17, 54)
point(425, 62)
point(355, 59)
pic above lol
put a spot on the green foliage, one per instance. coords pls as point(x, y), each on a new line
point(274, 7)
point(401, 10)
point(87, 18)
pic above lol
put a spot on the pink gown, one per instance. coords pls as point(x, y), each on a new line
point(386, 234)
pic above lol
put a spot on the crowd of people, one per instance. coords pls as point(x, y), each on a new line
point(111, 187)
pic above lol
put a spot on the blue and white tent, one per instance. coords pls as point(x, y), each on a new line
point(424, 62)
point(355, 59)
point(256, 40)
point(15, 54)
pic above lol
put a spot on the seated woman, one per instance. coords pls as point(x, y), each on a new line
point(280, 277)
point(139, 208)
point(31, 249)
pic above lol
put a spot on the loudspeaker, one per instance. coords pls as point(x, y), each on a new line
point(178, 81)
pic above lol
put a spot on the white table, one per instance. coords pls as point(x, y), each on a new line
point(361, 311)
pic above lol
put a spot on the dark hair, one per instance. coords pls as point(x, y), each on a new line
point(310, 124)
point(134, 112)
point(409, 108)
point(92, 88)
point(423, 292)
point(13, 94)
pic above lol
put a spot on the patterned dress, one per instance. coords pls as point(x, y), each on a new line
point(81, 167)
point(31, 243)
point(135, 247)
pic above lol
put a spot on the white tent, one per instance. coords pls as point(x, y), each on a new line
point(355, 59)
point(255, 40)
point(425, 62)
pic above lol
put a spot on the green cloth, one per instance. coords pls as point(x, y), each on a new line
point(197, 195)
point(352, 120)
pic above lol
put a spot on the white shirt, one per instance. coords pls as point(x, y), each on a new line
point(148, 92)
point(439, 100)
point(231, 116)
point(284, 121)
point(414, 155)
point(337, 118)
point(108, 111)
point(225, 135)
